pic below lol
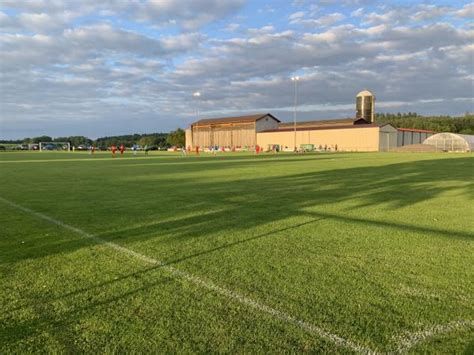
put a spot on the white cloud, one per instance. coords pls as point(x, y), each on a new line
point(357, 13)
point(429, 12)
point(61, 69)
point(296, 16)
point(232, 27)
point(189, 14)
point(392, 17)
point(299, 18)
point(466, 12)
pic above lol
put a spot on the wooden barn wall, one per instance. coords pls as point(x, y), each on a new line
point(225, 136)
point(188, 138)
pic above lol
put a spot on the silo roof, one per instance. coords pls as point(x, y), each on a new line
point(365, 93)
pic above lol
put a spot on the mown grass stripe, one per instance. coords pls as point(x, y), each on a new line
point(335, 339)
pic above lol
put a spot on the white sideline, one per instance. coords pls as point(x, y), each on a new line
point(409, 340)
point(405, 342)
point(335, 339)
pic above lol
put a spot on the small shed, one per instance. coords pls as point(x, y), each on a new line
point(451, 142)
point(408, 136)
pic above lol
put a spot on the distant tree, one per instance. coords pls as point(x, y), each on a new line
point(464, 124)
point(42, 139)
point(162, 140)
point(60, 139)
point(147, 140)
point(176, 138)
point(158, 139)
point(79, 140)
point(12, 141)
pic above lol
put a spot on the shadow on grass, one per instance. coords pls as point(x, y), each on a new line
point(60, 325)
point(243, 204)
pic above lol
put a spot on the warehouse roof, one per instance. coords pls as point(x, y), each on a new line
point(415, 130)
point(315, 128)
point(237, 119)
point(318, 123)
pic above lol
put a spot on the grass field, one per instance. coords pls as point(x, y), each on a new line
point(237, 253)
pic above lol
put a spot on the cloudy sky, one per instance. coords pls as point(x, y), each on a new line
point(105, 67)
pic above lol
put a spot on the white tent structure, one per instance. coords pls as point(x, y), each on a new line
point(451, 142)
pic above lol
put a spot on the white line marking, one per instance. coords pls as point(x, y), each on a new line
point(409, 340)
point(335, 339)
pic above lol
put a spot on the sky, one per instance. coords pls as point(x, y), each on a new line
point(108, 67)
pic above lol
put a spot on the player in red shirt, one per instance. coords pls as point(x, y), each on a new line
point(114, 149)
point(122, 148)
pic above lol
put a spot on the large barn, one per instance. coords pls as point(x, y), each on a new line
point(361, 134)
point(232, 132)
point(266, 131)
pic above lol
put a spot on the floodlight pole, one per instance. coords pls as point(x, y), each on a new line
point(295, 79)
point(197, 95)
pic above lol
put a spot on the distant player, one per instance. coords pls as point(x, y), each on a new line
point(122, 149)
point(197, 150)
point(114, 150)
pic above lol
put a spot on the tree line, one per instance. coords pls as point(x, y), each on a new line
point(461, 125)
point(161, 140)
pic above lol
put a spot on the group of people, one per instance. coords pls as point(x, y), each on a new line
point(113, 148)
point(121, 149)
point(328, 148)
point(213, 149)
point(197, 149)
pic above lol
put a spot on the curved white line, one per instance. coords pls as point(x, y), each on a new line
point(409, 340)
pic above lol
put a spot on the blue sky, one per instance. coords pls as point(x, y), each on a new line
point(110, 67)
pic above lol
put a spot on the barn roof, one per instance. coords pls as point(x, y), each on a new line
point(236, 119)
point(317, 128)
point(415, 130)
point(319, 123)
point(325, 123)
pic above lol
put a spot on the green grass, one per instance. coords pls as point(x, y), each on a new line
point(374, 248)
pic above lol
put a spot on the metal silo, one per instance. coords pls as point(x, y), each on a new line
point(365, 106)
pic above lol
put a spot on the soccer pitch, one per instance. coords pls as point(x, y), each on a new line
point(339, 253)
